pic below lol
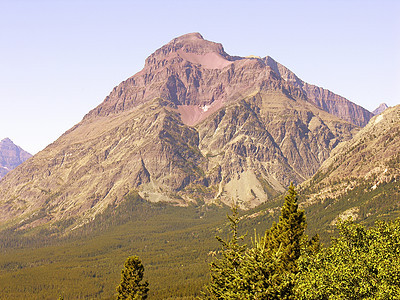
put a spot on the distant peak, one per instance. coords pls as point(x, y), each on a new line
point(6, 140)
point(380, 109)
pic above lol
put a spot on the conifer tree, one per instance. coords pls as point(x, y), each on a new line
point(288, 235)
point(259, 276)
point(131, 286)
point(223, 271)
point(269, 268)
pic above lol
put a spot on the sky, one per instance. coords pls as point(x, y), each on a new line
point(60, 58)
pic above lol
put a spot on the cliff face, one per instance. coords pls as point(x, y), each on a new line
point(11, 156)
point(192, 71)
point(323, 98)
point(195, 125)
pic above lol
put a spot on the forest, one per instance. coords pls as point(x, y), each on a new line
point(284, 263)
point(256, 255)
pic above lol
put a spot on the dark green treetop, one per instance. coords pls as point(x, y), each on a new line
point(131, 286)
point(271, 265)
point(288, 235)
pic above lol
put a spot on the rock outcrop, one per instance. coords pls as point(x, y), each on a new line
point(323, 98)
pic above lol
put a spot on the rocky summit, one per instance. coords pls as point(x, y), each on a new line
point(380, 109)
point(11, 156)
point(196, 125)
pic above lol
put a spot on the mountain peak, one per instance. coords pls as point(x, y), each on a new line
point(179, 72)
point(6, 140)
point(10, 156)
point(190, 36)
point(191, 47)
point(195, 125)
point(194, 43)
point(380, 109)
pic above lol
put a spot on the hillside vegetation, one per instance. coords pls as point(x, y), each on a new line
point(175, 244)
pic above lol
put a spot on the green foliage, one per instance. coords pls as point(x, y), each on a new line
point(360, 264)
point(176, 244)
point(262, 275)
point(223, 271)
point(272, 263)
point(381, 203)
point(268, 269)
point(131, 285)
point(288, 234)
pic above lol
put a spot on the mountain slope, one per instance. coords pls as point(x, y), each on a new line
point(323, 98)
point(361, 177)
point(195, 125)
point(11, 156)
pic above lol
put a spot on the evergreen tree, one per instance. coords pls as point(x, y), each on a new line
point(268, 269)
point(223, 271)
point(260, 274)
point(131, 286)
point(288, 234)
point(271, 265)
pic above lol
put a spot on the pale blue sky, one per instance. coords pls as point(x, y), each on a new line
point(59, 59)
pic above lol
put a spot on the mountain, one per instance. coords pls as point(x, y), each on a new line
point(11, 156)
point(380, 109)
point(196, 125)
point(361, 177)
point(190, 71)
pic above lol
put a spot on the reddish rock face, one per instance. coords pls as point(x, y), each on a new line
point(191, 71)
point(11, 156)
